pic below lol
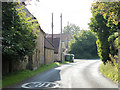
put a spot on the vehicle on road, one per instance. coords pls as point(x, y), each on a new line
point(69, 57)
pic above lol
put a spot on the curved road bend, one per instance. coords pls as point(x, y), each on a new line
point(85, 74)
point(80, 74)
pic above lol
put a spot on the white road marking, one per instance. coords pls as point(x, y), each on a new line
point(40, 84)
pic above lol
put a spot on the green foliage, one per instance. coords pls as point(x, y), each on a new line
point(72, 29)
point(18, 31)
point(110, 11)
point(113, 41)
point(102, 32)
point(84, 45)
point(111, 70)
point(105, 23)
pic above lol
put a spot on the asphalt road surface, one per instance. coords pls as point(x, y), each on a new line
point(80, 74)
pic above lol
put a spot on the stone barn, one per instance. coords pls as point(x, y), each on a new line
point(49, 52)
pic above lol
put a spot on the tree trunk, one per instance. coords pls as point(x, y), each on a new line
point(10, 66)
point(30, 67)
point(119, 45)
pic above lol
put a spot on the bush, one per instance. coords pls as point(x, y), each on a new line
point(19, 32)
point(111, 71)
point(113, 41)
point(84, 45)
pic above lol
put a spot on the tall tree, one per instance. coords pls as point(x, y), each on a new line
point(98, 25)
point(109, 12)
point(19, 32)
point(72, 29)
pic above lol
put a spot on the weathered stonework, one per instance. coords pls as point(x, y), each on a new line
point(49, 56)
point(37, 59)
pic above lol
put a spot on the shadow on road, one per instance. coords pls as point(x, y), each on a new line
point(51, 75)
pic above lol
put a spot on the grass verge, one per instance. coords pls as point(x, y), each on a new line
point(64, 62)
point(18, 76)
point(110, 71)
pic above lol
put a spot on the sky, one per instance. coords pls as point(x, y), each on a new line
point(73, 11)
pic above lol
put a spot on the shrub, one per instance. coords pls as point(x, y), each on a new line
point(84, 45)
point(19, 32)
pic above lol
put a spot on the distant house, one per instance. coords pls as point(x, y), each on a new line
point(57, 45)
point(65, 38)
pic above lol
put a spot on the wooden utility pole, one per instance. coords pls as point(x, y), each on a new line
point(52, 27)
point(61, 36)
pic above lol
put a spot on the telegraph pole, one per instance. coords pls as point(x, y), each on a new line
point(52, 27)
point(61, 36)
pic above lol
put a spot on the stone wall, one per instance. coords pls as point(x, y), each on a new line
point(37, 59)
point(49, 56)
point(56, 57)
point(32, 62)
point(15, 65)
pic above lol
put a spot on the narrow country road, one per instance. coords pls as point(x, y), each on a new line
point(80, 74)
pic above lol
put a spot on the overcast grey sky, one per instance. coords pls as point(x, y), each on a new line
point(73, 11)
